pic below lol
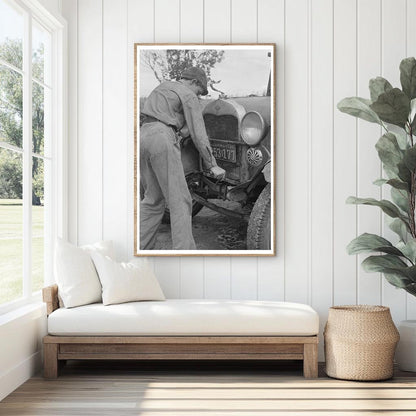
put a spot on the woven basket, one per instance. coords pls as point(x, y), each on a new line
point(360, 341)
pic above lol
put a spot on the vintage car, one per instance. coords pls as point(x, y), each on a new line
point(240, 136)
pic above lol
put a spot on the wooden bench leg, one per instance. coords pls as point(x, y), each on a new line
point(50, 360)
point(310, 360)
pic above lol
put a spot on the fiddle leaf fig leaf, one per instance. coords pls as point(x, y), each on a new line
point(410, 158)
point(390, 173)
point(388, 207)
point(392, 107)
point(412, 115)
point(402, 139)
point(381, 263)
point(404, 173)
point(400, 228)
point(408, 77)
point(400, 198)
point(412, 109)
point(411, 273)
point(396, 271)
point(408, 249)
point(380, 182)
point(359, 107)
point(397, 280)
point(395, 183)
point(389, 151)
point(378, 86)
point(398, 184)
point(366, 243)
point(411, 289)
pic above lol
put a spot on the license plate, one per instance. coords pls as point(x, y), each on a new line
point(224, 151)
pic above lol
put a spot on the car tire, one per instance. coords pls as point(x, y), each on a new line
point(258, 230)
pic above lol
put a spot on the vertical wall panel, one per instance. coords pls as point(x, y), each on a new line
point(315, 69)
point(368, 163)
point(321, 165)
point(345, 151)
point(244, 21)
point(167, 30)
point(140, 30)
point(271, 29)
point(192, 21)
point(411, 28)
point(244, 29)
point(168, 272)
point(115, 52)
point(217, 21)
point(52, 6)
point(296, 152)
point(192, 278)
point(411, 51)
point(192, 31)
point(217, 278)
point(70, 11)
point(217, 26)
point(167, 24)
point(90, 128)
point(244, 278)
point(393, 51)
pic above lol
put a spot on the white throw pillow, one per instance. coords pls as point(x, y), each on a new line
point(75, 273)
point(126, 282)
point(104, 247)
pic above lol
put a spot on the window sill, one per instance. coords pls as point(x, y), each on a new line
point(35, 306)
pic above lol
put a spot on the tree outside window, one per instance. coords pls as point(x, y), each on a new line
point(22, 227)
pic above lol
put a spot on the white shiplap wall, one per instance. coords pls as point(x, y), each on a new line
point(326, 50)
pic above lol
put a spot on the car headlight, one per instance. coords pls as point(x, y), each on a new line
point(253, 128)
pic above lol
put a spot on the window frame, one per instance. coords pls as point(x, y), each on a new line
point(57, 226)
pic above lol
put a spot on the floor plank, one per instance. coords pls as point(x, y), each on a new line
point(192, 389)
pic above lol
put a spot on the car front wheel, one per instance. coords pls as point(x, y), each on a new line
point(258, 230)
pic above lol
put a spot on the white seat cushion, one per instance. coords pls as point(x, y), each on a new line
point(187, 317)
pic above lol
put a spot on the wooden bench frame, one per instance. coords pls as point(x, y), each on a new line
point(58, 349)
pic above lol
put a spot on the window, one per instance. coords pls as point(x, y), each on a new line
point(31, 139)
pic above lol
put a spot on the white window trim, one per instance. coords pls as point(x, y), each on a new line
point(59, 143)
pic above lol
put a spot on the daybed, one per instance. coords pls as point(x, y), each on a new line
point(181, 329)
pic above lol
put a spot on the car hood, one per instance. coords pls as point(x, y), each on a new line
point(259, 104)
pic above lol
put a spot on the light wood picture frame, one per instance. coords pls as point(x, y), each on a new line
point(234, 214)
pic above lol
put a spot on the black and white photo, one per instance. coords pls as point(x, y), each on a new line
point(204, 149)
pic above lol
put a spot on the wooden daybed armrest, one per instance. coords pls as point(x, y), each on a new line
point(50, 297)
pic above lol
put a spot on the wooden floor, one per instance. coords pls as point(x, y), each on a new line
point(192, 389)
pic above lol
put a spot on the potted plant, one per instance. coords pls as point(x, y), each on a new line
point(391, 108)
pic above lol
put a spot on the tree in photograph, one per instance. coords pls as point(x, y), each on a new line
point(168, 65)
point(11, 116)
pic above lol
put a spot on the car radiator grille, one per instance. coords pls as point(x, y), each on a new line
point(221, 127)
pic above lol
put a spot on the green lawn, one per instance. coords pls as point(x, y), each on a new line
point(11, 249)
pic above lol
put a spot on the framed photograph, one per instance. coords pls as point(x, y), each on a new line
point(204, 126)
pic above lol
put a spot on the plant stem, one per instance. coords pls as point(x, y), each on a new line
point(412, 196)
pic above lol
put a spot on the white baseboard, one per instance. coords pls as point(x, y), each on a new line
point(10, 380)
